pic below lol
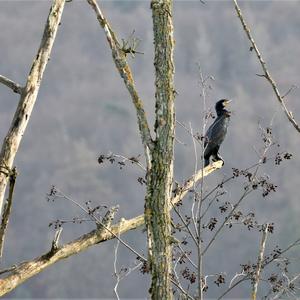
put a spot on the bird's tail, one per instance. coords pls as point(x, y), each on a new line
point(206, 162)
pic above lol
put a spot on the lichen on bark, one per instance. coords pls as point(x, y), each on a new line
point(160, 176)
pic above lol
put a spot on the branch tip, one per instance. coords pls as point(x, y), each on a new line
point(15, 87)
point(55, 241)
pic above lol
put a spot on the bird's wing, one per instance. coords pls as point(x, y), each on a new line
point(213, 131)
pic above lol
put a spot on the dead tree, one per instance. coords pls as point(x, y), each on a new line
point(28, 96)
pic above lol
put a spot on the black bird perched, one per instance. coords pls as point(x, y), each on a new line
point(216, 132)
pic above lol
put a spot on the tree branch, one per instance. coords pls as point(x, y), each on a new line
point(266, 74)
point(265, 263)
point(7, 208)
point(119, 57)
point(11, 84)
point(260, 260)
point(28, 96)
point(28, 269)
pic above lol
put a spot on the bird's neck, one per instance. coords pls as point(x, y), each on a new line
point(223, 112)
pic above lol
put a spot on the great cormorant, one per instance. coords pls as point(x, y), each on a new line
point(216, 133)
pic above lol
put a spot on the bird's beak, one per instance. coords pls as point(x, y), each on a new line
point(227, 102)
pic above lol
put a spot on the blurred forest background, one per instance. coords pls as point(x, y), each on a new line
point(84, 110)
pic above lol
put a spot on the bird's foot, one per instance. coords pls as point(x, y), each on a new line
point(217, 158)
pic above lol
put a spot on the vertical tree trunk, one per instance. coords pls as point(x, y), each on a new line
point(160, 176)
point(28, 96)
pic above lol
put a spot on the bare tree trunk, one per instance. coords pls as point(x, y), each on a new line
point(160, 176)
point(28, 96)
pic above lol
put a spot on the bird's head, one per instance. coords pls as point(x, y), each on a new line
point(221, 107)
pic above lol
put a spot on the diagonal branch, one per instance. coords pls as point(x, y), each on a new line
point(267, 74)
point(11, 84)
point(7, 208)
point(28, 269)
point(119, 57)
point(246, 192)
point(28, 96)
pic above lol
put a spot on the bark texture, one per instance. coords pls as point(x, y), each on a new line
point(7, 208)
point(160, 176)
point(28, 97)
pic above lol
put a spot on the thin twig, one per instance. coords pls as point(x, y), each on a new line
point(11, 84)
point(200, 202)
point(103, 222)
point(233, 286)
point(186, 225)
point(264, 264)
point(175, 272)
point(187, 256)
point(290, 281)
point(193, 215)
point(188, 131)
point(246, 192)
point(293, 244)
point(55, 241)
point(260, 260)
point(293, 86)
point(182, 290)
point(266, 74)
point(10, 269)
point(209, 204)
point(235, 277)
point(130, 159)
point(117, 275)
